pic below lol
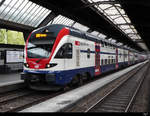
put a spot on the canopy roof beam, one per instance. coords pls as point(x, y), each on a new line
point(50, 17)
point(15, 26)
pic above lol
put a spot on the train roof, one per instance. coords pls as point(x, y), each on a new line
point(82, 34)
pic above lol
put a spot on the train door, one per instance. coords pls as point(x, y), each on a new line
point(97, 59)
point(123, 55)
point(69, 56)
point(128, 57)
point(117, 65)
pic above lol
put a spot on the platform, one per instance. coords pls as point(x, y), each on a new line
point(10, 82)
point(9, 78)
point(68, 99)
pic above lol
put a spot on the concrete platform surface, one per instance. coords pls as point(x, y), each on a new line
point(10, 82)
point(10, 78)
point(67, 99)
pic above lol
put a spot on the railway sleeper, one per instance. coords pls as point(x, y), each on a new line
point(120, 102)
point(112, 107)
point(104, 110)
point(118, 99)
point(115, 104)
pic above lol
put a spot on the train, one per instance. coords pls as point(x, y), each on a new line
point(57, 56)
point(11, 58)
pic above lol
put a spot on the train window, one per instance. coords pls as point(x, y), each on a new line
point(105, 61)
point(88, 53)
point(109, 46)
point(108, 61)
point(113, 47)
point(102, 63)
point(102, 44)
point(114, 60)
point(105, 45)
point(120, 55)
point(65, 51)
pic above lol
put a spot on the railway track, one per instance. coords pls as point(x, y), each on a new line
point(19, 99)
point(121, 97)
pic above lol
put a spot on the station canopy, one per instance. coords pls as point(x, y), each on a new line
point(115, 13)
point(31, 14)
point(23, 11)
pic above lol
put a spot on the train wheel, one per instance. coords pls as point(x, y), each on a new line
point(80, 81)
point(66, 88)
point(89, 77)
point(27, 83)
point(85, 77)
point(77, 81)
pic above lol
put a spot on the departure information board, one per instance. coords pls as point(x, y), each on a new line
point(14, 56)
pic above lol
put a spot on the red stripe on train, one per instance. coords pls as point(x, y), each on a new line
point(42, 62)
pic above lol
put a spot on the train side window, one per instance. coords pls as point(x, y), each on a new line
point(105, 61)
point(108, 45)
point(88, 53)
point(108, 61)
point(105, 45)
point(114, 60)
point(102, 44)
point(102, 62)
point(65, 51)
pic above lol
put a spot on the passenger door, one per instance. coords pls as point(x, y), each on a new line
point(68, 55)
point(97, 59)
point(117, 65)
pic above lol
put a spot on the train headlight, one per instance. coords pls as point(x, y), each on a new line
point(26, 65)
point(51, 65)
point(48, 66)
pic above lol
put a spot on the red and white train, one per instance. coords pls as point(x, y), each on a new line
point(58, 55)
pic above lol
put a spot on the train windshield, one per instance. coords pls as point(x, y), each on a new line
point(40, 45)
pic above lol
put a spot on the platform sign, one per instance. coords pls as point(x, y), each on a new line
point(14, 56)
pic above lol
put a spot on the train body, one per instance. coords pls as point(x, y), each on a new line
point(58, 55)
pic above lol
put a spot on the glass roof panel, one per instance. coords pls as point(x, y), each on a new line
point(37, 22)
point(105, 6)
point(125, 26)
point(24, 12)
point(95, 33)
point(120, 20)
point(80, 26)
point(62, 20)
point(102, 36)
point(114, 12)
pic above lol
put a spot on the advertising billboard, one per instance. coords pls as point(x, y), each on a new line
point(11, 37)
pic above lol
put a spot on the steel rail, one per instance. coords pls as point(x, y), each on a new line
point(109, 93)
